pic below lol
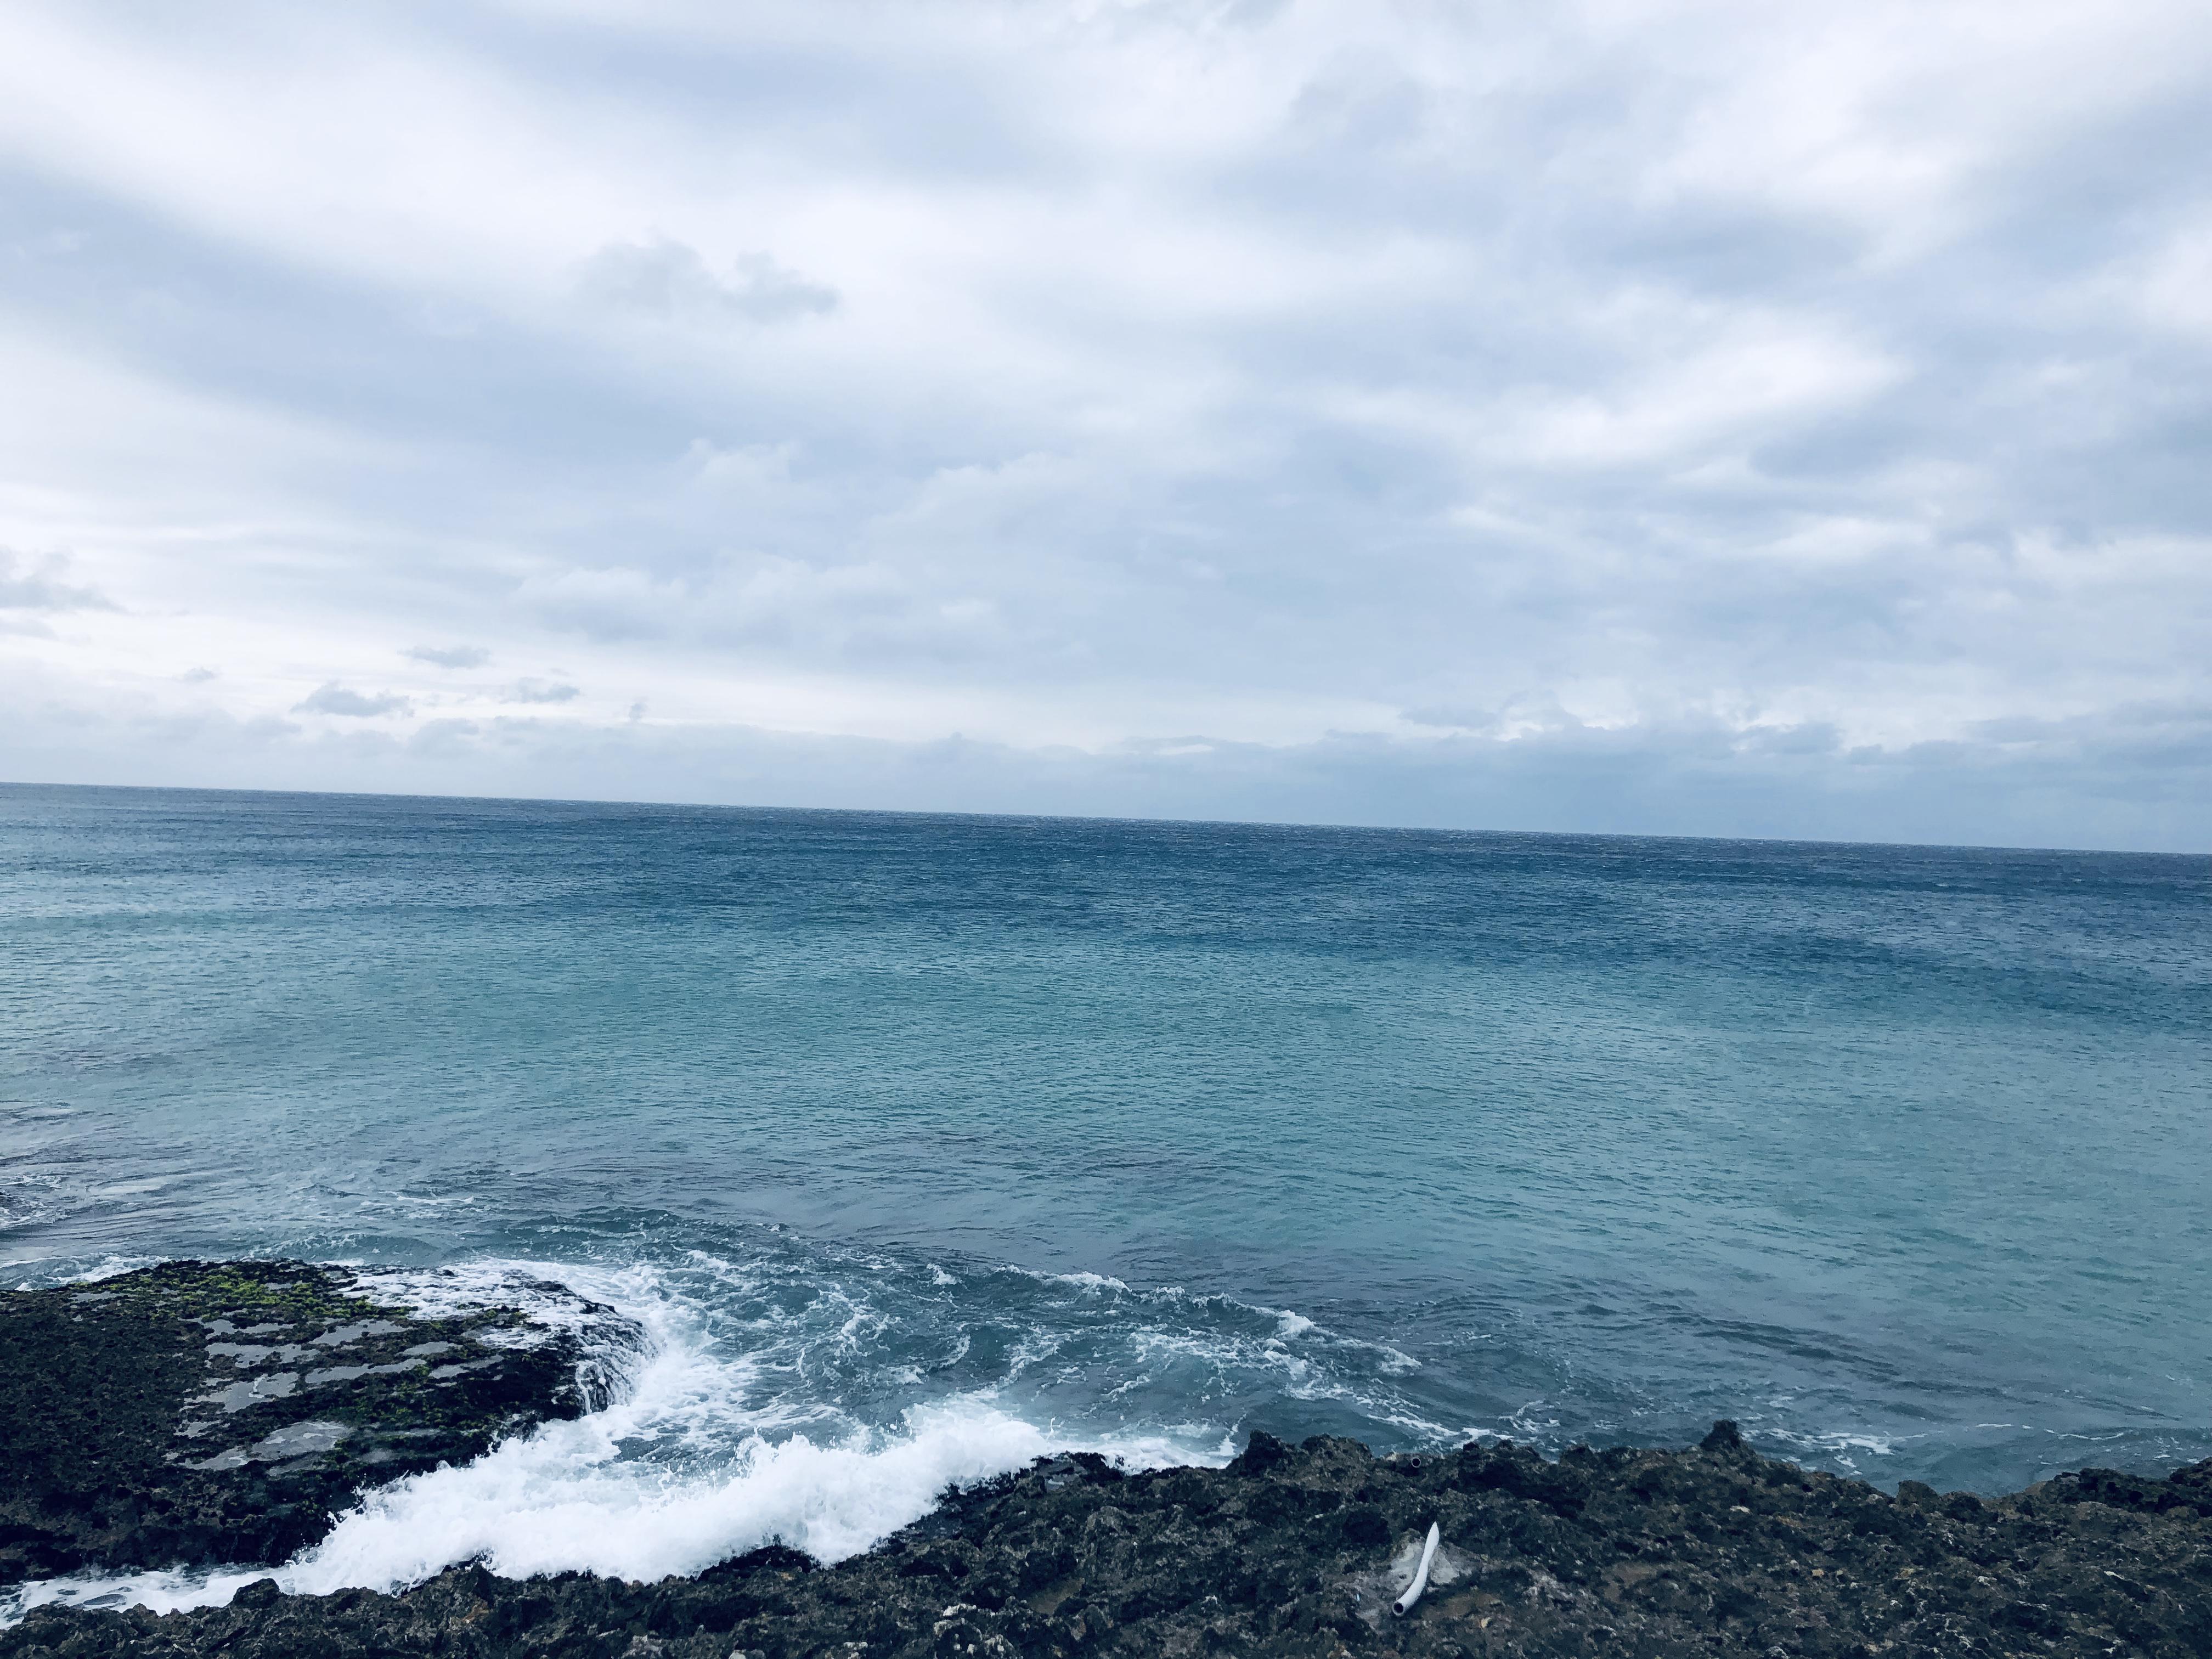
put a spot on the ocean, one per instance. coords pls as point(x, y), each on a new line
point(918, 1146)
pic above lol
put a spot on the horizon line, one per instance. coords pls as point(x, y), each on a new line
point(1094, 817)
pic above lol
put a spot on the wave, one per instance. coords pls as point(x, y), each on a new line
point(696, 1455)
point(563, 1498)
point(778, 1388)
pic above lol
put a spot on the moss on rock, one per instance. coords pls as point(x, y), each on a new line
point(202, 1412)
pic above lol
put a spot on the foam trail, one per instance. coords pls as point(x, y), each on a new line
point(558, 1500)
point(676, 1472)
point(551, 1504)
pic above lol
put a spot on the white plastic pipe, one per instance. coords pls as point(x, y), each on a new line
point(1420, 1575)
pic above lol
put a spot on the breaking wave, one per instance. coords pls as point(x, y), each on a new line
point(745, 1403)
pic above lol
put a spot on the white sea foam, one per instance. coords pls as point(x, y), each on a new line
point(1081, 1281)
point(722, 1426)
point(1294, 1375)
point(1838, 1446)
point(697, 1457)
point(547, 1293)
point(109, 1266)
point(563, 1498)
point(29, 1201)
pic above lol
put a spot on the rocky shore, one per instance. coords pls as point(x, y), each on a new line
point(202, 1412)
point(1712, 1550)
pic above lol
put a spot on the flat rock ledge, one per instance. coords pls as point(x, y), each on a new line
point(200, 1412)
point(1714, 1550)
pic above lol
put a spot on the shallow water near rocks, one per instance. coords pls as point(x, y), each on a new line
point(925, 1144)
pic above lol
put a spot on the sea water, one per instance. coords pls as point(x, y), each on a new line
point(920, 1146)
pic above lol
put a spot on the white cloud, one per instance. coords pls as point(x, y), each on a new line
point(2174, 287)
point(1172, 381)
point(40, 585)
point(332, 698)
point(531, 691)
point(669, 279)
point(448, 656)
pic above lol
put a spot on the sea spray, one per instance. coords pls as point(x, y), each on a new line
point(697, 1453)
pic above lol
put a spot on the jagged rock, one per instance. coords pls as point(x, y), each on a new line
point(199, 1412)
point(1296, 1551)
point(202, 1412)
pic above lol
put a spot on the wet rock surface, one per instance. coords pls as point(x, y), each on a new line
point(198, 1413)
point(1714, 1550)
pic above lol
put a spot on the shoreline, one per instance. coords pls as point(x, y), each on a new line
point(125, 1452)
point(1299, 1550)
point(201, 1412)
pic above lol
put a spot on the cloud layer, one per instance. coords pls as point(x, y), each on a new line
point(1699, 416)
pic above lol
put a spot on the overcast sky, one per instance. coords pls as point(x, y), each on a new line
point(1715, 418)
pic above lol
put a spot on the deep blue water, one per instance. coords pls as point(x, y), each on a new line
point(1149, 1134)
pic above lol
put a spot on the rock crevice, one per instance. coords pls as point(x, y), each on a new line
point(205, 1413)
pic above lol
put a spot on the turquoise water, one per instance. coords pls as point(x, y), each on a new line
point(1145, 1135)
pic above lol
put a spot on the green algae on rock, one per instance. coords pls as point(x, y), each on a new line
point(1296, 1551)
point(200, 1412)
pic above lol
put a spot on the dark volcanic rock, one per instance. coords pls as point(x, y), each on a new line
point(1712, 1551)
point(202, 1412)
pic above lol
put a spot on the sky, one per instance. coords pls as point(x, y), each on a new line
point(1704, 418)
